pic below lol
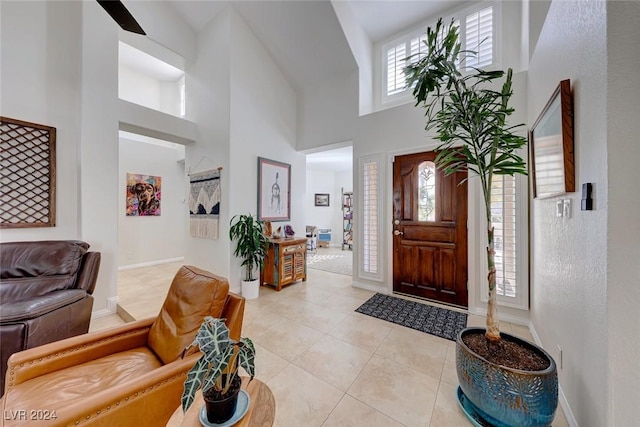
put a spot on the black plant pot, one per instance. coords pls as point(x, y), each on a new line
point(222, 409)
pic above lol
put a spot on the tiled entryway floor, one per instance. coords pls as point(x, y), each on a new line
point(326, 364)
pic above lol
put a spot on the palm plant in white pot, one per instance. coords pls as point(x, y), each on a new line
point(251, 246)
point(470, 117)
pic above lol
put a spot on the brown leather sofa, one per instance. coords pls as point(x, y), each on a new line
point(131, 375)
point(45, 293)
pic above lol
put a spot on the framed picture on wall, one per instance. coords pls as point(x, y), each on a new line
point(322, 199)
point(144, 193)
point(274, 191)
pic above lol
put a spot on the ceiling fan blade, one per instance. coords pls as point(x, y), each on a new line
point(122, 16)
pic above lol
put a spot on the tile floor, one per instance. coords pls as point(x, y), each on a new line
point(326, 364)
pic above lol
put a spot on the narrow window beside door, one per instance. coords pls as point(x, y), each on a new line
point(369, 233)
point(503, 216)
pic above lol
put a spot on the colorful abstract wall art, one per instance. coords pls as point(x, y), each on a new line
point(143, 195)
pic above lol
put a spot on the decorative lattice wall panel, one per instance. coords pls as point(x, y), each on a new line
point(27, 174)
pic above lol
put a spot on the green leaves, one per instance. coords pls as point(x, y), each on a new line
point(193, 381)
point(246, 356)
point(212, 338)
point(251, 243)
point(220, 359)
point(469, 116)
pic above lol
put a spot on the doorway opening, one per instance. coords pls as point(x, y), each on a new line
point(329, 210)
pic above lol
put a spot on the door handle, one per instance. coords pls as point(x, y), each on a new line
point(398, 233)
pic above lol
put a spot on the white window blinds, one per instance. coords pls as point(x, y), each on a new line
point(479, 37)
point(395, 66)
point(503, 216)
point(476, 35)
point(370, 252)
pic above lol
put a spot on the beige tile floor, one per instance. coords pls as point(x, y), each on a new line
point(326, 364)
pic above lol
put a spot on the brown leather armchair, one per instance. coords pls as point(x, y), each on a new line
point(131, 375)
point(45, 294)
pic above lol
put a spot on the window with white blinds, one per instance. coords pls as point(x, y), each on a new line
point(476, 34)
point(503, 217)
point(395, 64)
point(370, 202)
point(479, 38)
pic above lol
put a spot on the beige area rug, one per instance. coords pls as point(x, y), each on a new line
point(333, 260)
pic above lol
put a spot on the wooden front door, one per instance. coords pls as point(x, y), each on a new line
point(430, 230)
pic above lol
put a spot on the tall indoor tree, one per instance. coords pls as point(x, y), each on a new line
point(470, 120)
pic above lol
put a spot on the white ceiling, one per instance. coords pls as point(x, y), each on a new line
point(382, 19)
point(305, 39)
point(379, 18)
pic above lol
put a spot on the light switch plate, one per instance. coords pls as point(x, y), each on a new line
point(559, 208)
point(566, 208)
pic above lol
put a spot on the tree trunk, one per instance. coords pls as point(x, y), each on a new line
point(493, 326)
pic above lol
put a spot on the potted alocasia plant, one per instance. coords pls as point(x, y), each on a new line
point(216, 371)
point(469, 116)
point(251, 246)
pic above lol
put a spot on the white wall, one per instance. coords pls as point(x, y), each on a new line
point(623, 227)
point(69, 80)
point(362, 50)
point(43, 87)
point(152, 238)
point(137, 87)
point(70, 65)
point(568, 260)
point(241, 115)
point(208, 95)
point(142, 89)
point(263, 123)
point(98, 161)
point(328, 112)
point(163, 25)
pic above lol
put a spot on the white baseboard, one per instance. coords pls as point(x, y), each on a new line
point(562, 399)
point(112, 308)
point(479, 311)
point(101, 313)
point(150, 263)
point(369, 287)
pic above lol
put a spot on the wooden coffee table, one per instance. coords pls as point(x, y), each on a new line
point(261, 412)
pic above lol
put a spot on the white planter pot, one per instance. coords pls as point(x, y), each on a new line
point(251, 289)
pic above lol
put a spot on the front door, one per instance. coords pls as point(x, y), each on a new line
point(430, 230)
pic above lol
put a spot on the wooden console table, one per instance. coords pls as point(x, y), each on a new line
point(261, 412)
point(285, 263)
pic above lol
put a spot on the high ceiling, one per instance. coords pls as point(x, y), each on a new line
point(382, 19)
point(304, 36)
point(305, 39)
point(379, 18)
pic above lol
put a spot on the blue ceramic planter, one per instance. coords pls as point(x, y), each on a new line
point(504, 396)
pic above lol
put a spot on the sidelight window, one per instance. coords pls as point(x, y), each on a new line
point(371, 194)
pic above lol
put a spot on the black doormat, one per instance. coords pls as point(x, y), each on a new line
point(426, 318)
